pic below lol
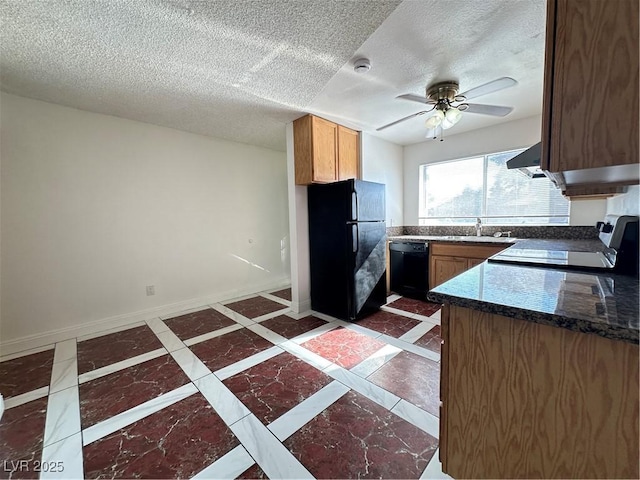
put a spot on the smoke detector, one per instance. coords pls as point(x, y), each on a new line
point(362, 65)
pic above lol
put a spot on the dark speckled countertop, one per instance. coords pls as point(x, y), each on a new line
point(602, 303)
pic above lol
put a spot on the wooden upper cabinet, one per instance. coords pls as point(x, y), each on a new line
point(324, 151)
point(348, 153)
point(590, 111)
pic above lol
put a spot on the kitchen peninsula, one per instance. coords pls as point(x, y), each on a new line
point(539, 373)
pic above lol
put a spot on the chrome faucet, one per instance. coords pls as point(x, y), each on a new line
point(478, 227)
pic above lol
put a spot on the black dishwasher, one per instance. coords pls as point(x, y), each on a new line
point(409, 268)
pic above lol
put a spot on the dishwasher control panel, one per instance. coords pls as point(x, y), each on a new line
point(409, 247)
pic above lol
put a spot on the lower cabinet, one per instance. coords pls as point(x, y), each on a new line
point(448, 260)
point(525, 400)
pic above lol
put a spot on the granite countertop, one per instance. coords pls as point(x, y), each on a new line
point(452, 238)
point(602, 303)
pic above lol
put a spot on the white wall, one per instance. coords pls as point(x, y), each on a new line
point(506, 136)
point(382, 162)
point(626, 204)
point(94, 208)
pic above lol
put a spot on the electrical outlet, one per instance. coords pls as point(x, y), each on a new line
point(151, 290)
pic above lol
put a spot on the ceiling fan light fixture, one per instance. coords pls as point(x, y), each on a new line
point(434, 120)
point(453, 116)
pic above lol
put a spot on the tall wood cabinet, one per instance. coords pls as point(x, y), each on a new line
point(324, 151)
point(590, 104)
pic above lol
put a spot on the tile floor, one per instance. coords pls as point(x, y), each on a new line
point(241, 389)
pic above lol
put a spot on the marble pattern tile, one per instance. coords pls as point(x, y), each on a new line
point(190, 364)
point(64, 375)
point(367, 389)
point(311, 358)
point(117, 422)
point(316, 332)
point(230, 348)
point(356, 438)
point(154, 446)
point(415, 306)
point(21, 438)
point(254, 307)
point(410, 347)
point(273, 387)
point(289, 327)
point(26, 397)
point(269, 453)
point(221, 399)
point(65, 350)
point(113, 394)
point(267, 334)
point(63, 415)
point(116, 367)
point(388, 323)
point(413, 378)
point(24, 374)
point(230, 465)
point(235, 316)
point(115, 347)
point(253, 473)
point(375, 361)
point(170, 341)
point(109, 331)
point(431, 340)
point(157, 325)
point(235, 368)
point(416, 332)
point(287, 424)
point(198, 323)
point(418, 417)
point(343, 346)
point(434, 469)
point(63, 459)
point(285, 293)
point(214, 334)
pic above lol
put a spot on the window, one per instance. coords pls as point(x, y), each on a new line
point(459, 191)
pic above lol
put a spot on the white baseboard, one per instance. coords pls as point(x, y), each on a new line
point(30, 342)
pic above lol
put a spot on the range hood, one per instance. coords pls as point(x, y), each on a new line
point(528, 162)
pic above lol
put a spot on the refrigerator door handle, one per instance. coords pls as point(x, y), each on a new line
point(354, 205)
point(354, 233)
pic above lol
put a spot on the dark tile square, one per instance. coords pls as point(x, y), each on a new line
point(284, 294)
point(431, 340)
point(275, 386)
point(357, 438)
point(411, 305)
point(21, 436)
point(290, 327)
point(24, 374)
point(112, 394)
point(412, 377)
point(176, 442)
point(224, 350)
point(255, 306)
point(114, 347)
point(343, 347)
point(388, 323)
point(198, 323)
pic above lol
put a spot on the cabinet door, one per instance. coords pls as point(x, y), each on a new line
point(591, 84)
point(472, 262)
point(348, 158)
point(445, 268)
point(325, 165)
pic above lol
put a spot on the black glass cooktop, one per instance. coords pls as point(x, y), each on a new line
point(554, 258)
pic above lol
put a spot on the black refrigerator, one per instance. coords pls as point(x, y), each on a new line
point(347, 248)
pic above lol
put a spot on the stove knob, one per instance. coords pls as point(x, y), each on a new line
point(599, 225)
point(608, 228)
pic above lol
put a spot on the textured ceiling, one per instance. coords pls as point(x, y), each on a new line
point(242, 69)
point(238, 70)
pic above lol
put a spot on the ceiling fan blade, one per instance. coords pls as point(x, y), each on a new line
point(493, 86)
point(416, 98)
point(402, 120)
point(493, 110)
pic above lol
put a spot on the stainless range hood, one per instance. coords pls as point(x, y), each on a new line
point(528, 162)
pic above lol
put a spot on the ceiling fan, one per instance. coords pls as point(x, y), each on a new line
point(448, 104)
